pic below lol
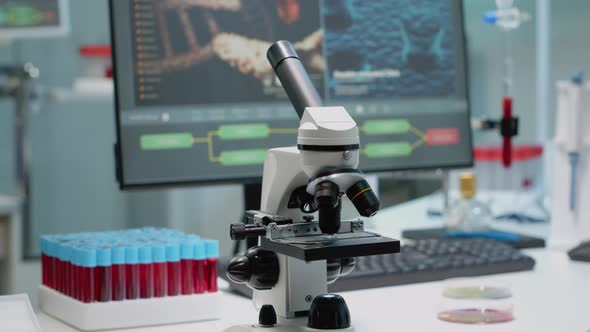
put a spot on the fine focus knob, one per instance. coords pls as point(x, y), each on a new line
point(328, 312)
point(333, 268)
point(347, 265)
point(267, 316)
point(258, 268)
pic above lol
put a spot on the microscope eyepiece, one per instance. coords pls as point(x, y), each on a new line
point(280, 51)
point(363, 198)
point(288, 67)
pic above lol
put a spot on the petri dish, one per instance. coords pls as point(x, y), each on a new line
point(475, 315)
point(476, 301)
point(476, 289)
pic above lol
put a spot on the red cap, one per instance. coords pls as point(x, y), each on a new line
point(95, 51)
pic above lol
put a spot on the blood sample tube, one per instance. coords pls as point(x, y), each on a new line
point(87, 275)
point(173, 266)
point(62, 267)
point(160, 270)
point(85, 270)
point(146, 272)
point(187, 268)
point(44, 262)
point(71, 270)
point(48, 258)
point(199, 262)
point(52, 261)
point(118, 273)
point(212, 252)
point(102, 275)
point(76, 266)
point(132, 273)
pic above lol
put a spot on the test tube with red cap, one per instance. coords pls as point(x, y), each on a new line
point(212, 252)
point(118, 273)
point(103, 277)
point(146, 272)
point(132, 283)
point(160, 270)
point(173, 267)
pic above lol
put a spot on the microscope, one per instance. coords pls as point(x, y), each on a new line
point(303, 245)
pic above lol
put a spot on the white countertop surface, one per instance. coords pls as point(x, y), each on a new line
point(553, 297)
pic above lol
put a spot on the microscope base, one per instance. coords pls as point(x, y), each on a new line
point(290, 325)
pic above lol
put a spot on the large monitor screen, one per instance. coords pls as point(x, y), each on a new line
point(33, 18)
point(197, 100)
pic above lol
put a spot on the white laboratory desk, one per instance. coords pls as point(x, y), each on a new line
point(553, 297)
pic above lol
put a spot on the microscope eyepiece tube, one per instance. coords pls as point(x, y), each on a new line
point(288, 67)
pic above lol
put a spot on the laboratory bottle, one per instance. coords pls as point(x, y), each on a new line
point(468, 214)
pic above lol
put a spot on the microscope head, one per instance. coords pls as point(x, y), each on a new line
point(328, 142)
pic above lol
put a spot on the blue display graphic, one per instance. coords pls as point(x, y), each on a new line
point(384, 49)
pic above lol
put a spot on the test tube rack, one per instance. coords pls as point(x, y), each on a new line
point(130, 278)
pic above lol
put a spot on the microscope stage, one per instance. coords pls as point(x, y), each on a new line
point(321, 247)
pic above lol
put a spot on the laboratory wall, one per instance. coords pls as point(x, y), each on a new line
point(74, 187)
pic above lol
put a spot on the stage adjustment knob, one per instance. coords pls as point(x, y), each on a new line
point(329, 312)
point(239, 232)
point(267, 316)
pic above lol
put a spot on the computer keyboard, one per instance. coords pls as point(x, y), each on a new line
point(431, 260)
point(428, 260)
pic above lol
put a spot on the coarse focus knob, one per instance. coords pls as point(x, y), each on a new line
point(258, 268)
point(238, 270)
point(329, 312)
point(267, 316)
